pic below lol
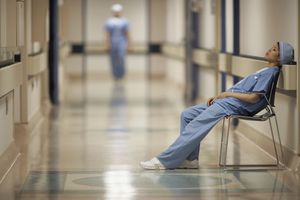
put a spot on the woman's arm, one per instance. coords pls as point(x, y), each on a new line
point(129, 44)
point(247, 97)
point(107, 40)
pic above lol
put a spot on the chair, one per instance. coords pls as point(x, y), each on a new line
point(267, 115)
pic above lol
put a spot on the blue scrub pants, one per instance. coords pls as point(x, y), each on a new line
point(117, 57)
point(196, 122)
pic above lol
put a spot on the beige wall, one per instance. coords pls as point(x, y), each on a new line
point(157, 34)
point(207, 28)
point(158, 20)
point(207, 83)
point(28, 13)
point(175, 69)
point(7, 20)
point(2, 23)
point(71, 21)
point(175, 21)
point(39, 23)
point(207, 76)
point(273, 20)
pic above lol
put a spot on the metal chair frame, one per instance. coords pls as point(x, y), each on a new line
point(270, 113)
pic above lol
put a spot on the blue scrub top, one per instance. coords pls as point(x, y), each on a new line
point(260, 81)
point(118, 28)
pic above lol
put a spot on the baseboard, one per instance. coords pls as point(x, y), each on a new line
point(8, 160)
point(292, 160)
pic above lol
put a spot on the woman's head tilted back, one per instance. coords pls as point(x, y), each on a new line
point(280, 53)
point(286, 53)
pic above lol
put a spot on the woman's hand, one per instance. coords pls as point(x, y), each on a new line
point(246, 97)
point(211, 100)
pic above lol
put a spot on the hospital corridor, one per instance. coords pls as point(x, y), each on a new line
point(149, 99)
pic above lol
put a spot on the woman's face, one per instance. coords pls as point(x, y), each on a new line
point(117, 14)
point(272, 55)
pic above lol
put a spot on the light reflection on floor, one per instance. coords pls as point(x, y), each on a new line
point(162, 181)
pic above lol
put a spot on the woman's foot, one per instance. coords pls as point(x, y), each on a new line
point(152, 164)
point(189, 164)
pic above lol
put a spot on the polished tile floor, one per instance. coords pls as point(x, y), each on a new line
point(91, 145)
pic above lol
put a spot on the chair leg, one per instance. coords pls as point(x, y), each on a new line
point(221, 155)
point(226, 144)
point(274, 143)
point(279, 139)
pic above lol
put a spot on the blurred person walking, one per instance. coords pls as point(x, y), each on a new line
point(117, 40)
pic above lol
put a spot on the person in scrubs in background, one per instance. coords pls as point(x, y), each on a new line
point(117, 40)
point(244, 98)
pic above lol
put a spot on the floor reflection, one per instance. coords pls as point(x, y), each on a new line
point(176, 180)
point(118, 109)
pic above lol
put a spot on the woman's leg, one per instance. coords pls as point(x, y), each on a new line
point(186, 117)
point(191, 136)
point(122, 54)
point(189, 114)
point(118, 62)
point(114, 62)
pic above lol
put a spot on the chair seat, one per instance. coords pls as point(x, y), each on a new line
point(262, 117)
point(238, 166)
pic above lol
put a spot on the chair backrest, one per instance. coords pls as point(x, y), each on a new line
point(272, 91)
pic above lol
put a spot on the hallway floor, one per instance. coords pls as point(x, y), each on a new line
point(90, 148)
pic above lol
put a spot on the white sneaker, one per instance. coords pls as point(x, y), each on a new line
point(154, 163)
point(189, 164)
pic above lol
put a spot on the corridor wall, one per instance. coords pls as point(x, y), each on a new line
point(207, 41)
point(175, 68)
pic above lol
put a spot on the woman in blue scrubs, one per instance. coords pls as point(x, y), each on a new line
point(117, 40)
point(197, 121)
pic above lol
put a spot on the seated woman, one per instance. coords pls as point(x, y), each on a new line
point(197, 121)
